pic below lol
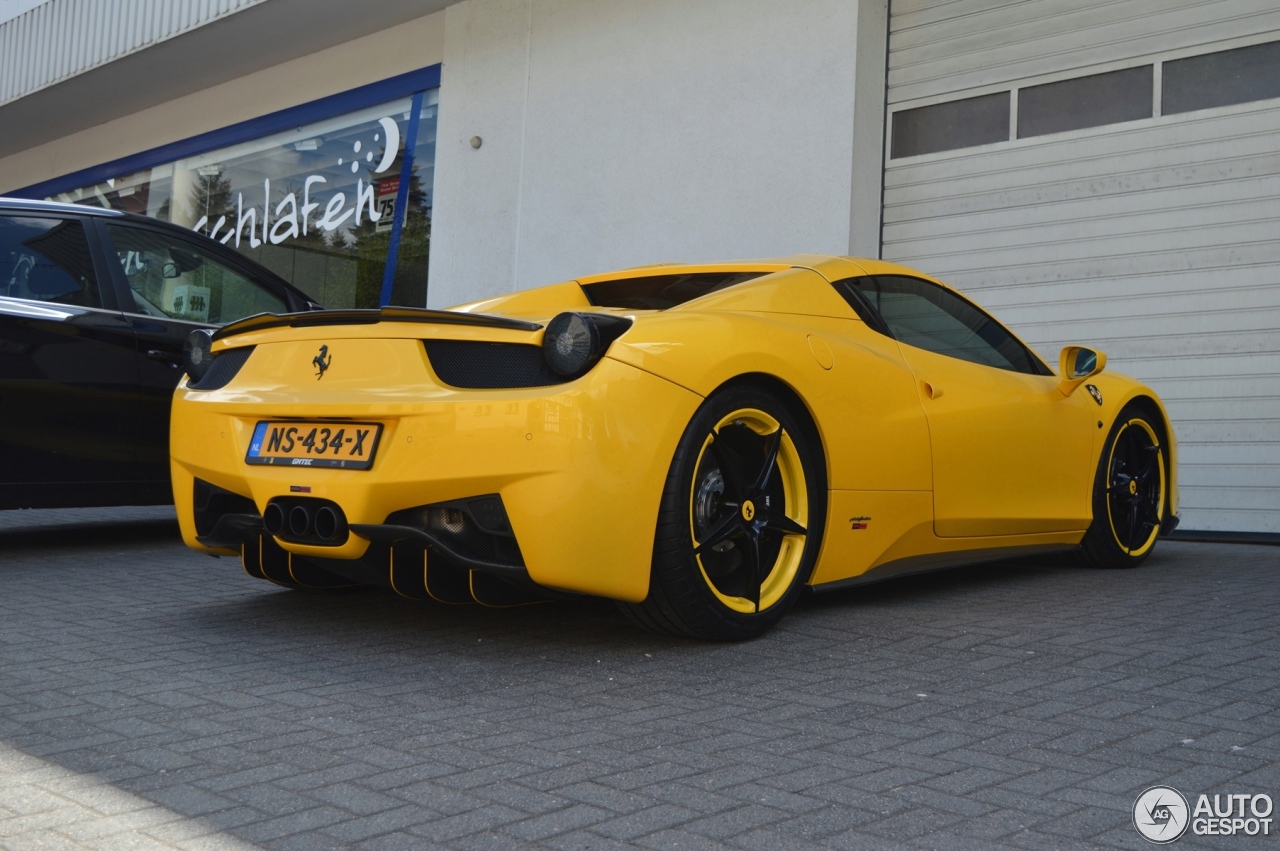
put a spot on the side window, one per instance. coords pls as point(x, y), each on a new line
point(178, 278)
point(930, 317)
point(46, 260)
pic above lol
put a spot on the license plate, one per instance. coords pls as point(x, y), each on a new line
point(314, 444)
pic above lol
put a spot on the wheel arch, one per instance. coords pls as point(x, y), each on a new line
point(794, 400)
point(673, 605)
point(1160, 418)
point(1152, 406)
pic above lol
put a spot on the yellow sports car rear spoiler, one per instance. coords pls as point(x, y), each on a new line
point(312, 318)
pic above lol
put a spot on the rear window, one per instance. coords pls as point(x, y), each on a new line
point(659, 292)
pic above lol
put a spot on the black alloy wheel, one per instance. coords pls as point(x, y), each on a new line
point(1130, 492)
point(740, 522)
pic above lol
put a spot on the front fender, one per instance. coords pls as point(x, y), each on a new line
point(1118, 390)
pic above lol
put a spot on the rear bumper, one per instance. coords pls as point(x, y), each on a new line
point(579, 467)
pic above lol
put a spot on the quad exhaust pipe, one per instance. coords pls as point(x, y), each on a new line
point(305, 520)
point(273, 519)
point(299, 521)
point(326, 523)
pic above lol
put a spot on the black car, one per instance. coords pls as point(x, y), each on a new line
point(95, 306)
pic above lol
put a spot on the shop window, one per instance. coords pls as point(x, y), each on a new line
point(317, 204)
point(947, 126)
point(1221, 79)
point(1091, 101)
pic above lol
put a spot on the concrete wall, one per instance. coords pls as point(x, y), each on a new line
point(617, 134)
point(405, 47)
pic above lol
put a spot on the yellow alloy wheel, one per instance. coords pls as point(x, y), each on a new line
point(1135, 487)
point(748, 510)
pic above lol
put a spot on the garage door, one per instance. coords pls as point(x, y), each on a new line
point(1108, 173)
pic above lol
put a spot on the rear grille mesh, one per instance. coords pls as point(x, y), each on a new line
point(224, 368)
point(489, 366)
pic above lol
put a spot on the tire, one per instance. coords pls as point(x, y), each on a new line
point(1130, 492)
point(740, 522)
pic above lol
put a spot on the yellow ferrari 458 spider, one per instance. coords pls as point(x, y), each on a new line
point(698, 443)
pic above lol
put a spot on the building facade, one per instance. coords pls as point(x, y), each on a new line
point(1103, 173)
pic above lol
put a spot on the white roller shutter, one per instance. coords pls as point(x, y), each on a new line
point(1156, 240)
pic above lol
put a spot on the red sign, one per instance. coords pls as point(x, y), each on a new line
point(390, 186)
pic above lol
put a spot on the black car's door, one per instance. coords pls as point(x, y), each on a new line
point(171, 284)
point(68, 375)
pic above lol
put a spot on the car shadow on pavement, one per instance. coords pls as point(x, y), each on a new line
point(948, 582)
point(375, 617)
point(264, 616)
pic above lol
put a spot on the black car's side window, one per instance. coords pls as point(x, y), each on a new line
point(178, 278)
point(46, 260)
point(927, 316)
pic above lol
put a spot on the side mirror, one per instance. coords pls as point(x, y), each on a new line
point(1077, 365)
point(185, 260)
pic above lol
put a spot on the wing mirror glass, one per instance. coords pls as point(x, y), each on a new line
point(1078, 364)
point(185, 261)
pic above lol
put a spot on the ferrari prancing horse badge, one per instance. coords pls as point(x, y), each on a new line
point(321, 362)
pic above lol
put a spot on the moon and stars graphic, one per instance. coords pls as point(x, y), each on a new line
point(392, 146)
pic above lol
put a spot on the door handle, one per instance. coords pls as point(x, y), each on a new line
point(162, 355)
point(931, 390)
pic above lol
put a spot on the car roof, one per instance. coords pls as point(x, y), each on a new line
point(28, 205)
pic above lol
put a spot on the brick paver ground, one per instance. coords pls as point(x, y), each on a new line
point(153, 697)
